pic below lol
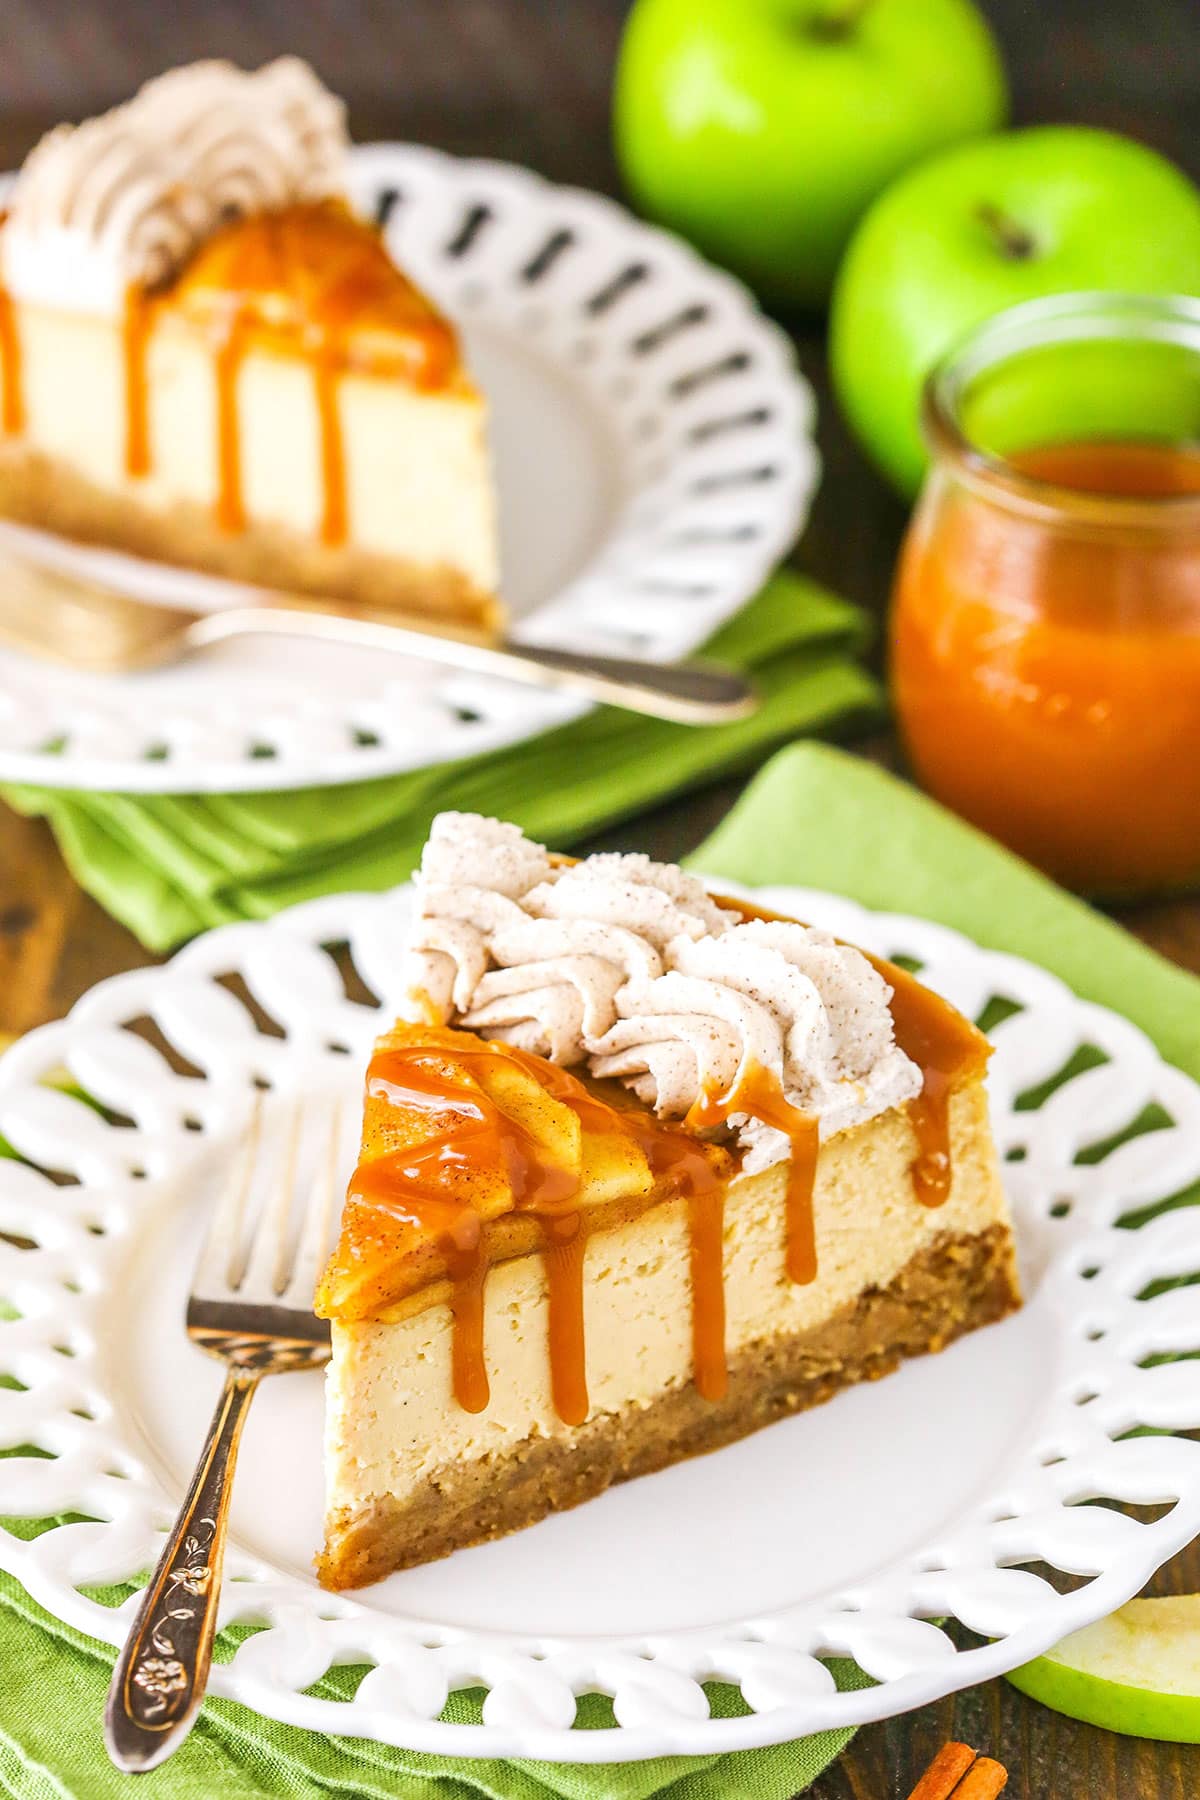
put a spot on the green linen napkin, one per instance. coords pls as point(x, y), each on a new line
point(818, 817)
point(51, 1746)
point(171, 867)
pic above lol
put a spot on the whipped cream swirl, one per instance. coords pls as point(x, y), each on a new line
point(628, 966)
point(123, 199)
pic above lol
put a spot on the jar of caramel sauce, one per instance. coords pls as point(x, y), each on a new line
point(1045, 635)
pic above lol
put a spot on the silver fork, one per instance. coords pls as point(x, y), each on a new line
point(59, 615)
point(252, 1305)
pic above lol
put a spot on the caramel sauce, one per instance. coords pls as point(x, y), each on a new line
point(333, 449)
point(1046, 660)
point(411, 1182)
point(310, 281)
point(707, 1264)
point(760, 1094)
point(677, 1159)
point(12, 404)
point(468, 1363)
point(945, 1047)
point(231, 511)
point(136, 336)
point(315, 282)
point(566, 1246)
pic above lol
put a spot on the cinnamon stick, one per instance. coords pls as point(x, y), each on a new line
point(941, 1778)
point(983, 1781)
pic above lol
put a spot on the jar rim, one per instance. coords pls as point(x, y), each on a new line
point(1090, 314)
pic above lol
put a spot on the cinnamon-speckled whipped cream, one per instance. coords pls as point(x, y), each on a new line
point(628, 966)
point(123, 199)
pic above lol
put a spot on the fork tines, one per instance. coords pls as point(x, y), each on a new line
point(273, 1227)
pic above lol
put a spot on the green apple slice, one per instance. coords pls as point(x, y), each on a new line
point(1137, 1672)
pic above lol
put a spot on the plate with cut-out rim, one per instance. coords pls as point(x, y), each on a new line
point(653, 446)
point(936, 1528)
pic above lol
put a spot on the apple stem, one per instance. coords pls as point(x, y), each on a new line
point(832, 27)
point(1011, 239)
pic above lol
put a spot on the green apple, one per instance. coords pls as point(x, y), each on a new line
point(1137, 1672)
point(763, 129)
point(985, 226)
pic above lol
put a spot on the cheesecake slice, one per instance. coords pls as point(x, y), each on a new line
point(207, 358)
point(642, 1171)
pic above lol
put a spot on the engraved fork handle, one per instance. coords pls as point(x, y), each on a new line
point(162, 1672)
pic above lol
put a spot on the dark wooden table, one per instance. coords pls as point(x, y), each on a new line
point(529, 80)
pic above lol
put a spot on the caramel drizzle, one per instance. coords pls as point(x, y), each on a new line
point(945, 1047)
point(231, 511)
point(468, 1362)
point(405, 1183)
point(709, 1368)
point(313, 259)
point(12, 402)
point(326, 371)
point(677, 1159)
point(566, 1247)
point(345, 282)
point(227, 363)
point(760, 1094)
point(135, 333)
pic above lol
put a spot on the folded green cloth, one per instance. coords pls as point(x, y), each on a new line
point(171, 867)
point(51, 1746)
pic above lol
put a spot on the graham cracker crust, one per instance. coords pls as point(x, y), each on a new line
point(36, 490)
point(951, 1287)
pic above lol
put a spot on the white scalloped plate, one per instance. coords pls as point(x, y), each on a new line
point(960, 1488)
point(652, 439)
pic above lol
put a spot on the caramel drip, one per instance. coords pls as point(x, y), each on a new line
point(468, 1363)
point(406, 1181)
point(313, 273)
point(945, 1047)
point(566, 1249)
point(676, 1158)
point(472, 1133)
point(759, 1094)
point(929, 1116)
point(709, 1369)
point(308, 281)
point(12, 401)
point(326, 377)
point(566, 1246)
point(135, 339)
point(231, 511)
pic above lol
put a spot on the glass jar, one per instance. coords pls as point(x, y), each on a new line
point(1045, 635)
